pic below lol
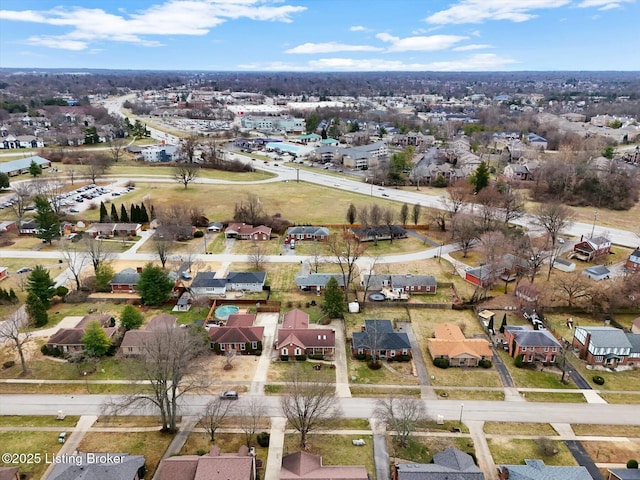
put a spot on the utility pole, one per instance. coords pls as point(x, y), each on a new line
point(595, 217)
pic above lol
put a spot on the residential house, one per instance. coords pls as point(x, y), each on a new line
point(100, 466)
point(516, 171)
point(405, 282)
point(592, 248)
point(7, 226)
point(624, 474)
point(237, 335)
point(9, 473)
point(379, 336)
point(506, 268)
point(564, 265)
point(114, 229)
point(184, 303)
point(597, 272)
point(607, 346)
point(212, 465)
point(633, 262)
point(318, 234)
point(206, 283)
point(295, 338)
point(317, 282)
point(215, 227)
point(450, 343)
point(125, 281)
point(537, 470)
point(17, 167)
point(246, 281)
point(304, 465)
point(29, 227)
point(536, 141)
point(4, 272)
point(69, 340)
point(378, 233)
point(134, 341)
point(635, 325)
point(527, 292)
point(242, 231)
point(448, 464)
point(535, 346)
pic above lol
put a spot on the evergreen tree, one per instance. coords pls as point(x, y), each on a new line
point(124, 216)
point(104, 216)
point(36, 311)
point(47, 220)
point(131, 318)
point(34, 169)
point(13, 298)
point(333, 304)
point(133, 217)
point(104, 274)
point(4, 181)
point(144, 216)
point(480, 178)
point(95, 340)
point(41, 285)
point(114, 213)
point(352, 214)
point(154, 285)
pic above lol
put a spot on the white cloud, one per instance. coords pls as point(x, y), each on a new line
point(479, 62)
point(603, 4)
point(420, 43)
point(331, 47)
point(479, 11)
point(474, 46)
point(358, 28)
point(173, 17)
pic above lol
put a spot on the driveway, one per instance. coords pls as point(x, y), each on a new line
point(416, 353)
point(380, 452)
point(577, 377)
point(502, 369)
point(340, 361)
point(583, 458)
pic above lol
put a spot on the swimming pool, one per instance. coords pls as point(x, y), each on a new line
point(223, 312)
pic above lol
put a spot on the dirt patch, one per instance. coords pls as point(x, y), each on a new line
point(244, 367)
point(612, 452)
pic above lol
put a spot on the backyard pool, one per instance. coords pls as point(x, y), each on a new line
point(223, 312)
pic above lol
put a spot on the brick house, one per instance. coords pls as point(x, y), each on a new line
point(239, 335)
point(633, 262)
point(450, 343)
point(451, 464)
point(296, 338)
point(125, 281)
point(318, 234)
point(588, 250)
point(134, 341)
point(607, 346)
point(535, 346)
point(69, 340)
point(407, 282)
point(228, 466)
point(4, 272)
point(378, 233)
point(242, 231)
point(114, 229)
point(379, 336)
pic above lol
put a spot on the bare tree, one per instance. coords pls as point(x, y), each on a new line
point(459, 192)
point(23, 193)
point(257, 255)
point(185, 173)
point(251, 211)
point(404, 213)
point(16, 330)
point(76, 259)
point(163, 247)
point(402, 414)
point(252, 415)
point(346, 250)
point(51, 189)
point(488, 200)
point(316, 256)
point(97, 250)
point(573, 289)
point(465, 231)
point(553, 217)
point(96, 166)
point(366, 280)
point(389, 217)
point(511, 205)
point(215, 412)
point(364, 216)
point(309, 402)
point(170, 362)
point(439, 217)
point(188, 148)
point(375, 215)
point(116, 148)
point(415, 214)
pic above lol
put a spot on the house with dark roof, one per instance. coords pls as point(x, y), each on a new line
point(317, 234)
point(69, 340)
point(99, 466)
point(379, 336)
point(125, 281)
point(212, 465)
point(114, 229)
point(206, 283)
point(535, 346)
point(406, 282)
point(304, 465)
point(237, 335)
point(317, 282)
point(449, 342)
point(29, 227)
point(516, 171)
point(633, 262)
point(450, 464)
point(378, 233)
point(242, 231)
point(295, 338)
point(588, 249)
point(246, 281)
point(134, 341)
point(537, 470)
point(624, 474)
point(607, 346)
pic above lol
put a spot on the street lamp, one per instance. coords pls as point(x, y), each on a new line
point(440, 251)
point(461, 410)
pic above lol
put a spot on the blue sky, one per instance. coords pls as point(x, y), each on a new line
point(321, 35)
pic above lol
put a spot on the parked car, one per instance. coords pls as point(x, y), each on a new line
point(229, 395)
point(24, 270)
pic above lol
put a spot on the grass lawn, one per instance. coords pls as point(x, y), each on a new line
point(362, 391)
point(565, 397)
point(527, 378)
point(278, 370)
point(150, 444)
point(37, 421)
point(397, 373)
point(142, 169)
point(246, 247)
point(628, 380)
point(335, 449)
point(228, 443)
point(516, 428)
point(422, 449)
point(513, 451)
point(611, 452)
point(79, 388)
point(30, 443)
point(130, 421)
point(632, 431)
point(621, 398)
point(215, 243)
point(494, 395)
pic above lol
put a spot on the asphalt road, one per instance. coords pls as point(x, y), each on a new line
point(583, 458)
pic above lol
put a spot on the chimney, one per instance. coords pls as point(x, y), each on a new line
point(139, 269)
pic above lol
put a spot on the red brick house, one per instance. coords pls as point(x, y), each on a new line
point(114, 229)
point(228, 466)
point(296, 338)
point(607, 346)
point(133, 342)
point(318, 234)
point(535, 346)
point(592, 248)
point(239, 335)
point(242, 231)
point(633, 262)
point(4, 272)
point(125, 281)
point(69, 340)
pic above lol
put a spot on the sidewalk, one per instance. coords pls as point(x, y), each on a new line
point(483, 454)
point(73, 441)
point(276, 447)
point(186, 427)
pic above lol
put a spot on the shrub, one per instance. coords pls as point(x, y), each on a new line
point(263, 439)
point(485, 363)
point(284, 358)
point(403, 358)
point(361, 356)
point(598, 380)
point(201, 451)
point(519, 361)
point(8, 364)
point(258, 353)
point(632, 464)
point(44, 350)
point(441, 362)
point(316, 357)
point(301, 358)
point(374, 365)
point(198, 234)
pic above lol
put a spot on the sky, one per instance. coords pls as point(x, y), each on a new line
point(322, 35)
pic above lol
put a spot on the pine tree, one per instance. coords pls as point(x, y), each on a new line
point(36, 310)
point(114, 213)
point(480, 177)
point(124, 216)
point(104, 216)
point(144, 217)
point(333, 304)
point(41, 285)
point(134, 214)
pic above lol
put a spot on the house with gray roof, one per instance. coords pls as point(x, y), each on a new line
point(607, 346)
point(317, 282)
point(379, 336)
point(407, 282)
point(17, 167)
point(318, 234)
point(206, 283)
point(125, 281)
point(450, 464)
point(537, 470)
point(535, 346)
point(100, 466)
point(624, 474)
point(597, 272)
